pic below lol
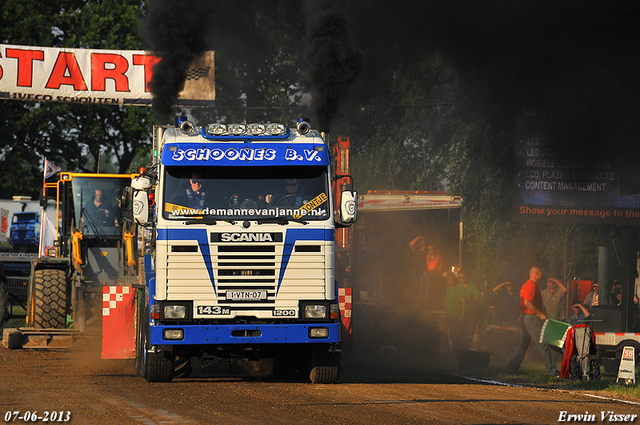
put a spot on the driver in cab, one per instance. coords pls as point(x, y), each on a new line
point(100, 211)
point(291, 198)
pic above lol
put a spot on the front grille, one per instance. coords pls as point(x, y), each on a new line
point(248, 269)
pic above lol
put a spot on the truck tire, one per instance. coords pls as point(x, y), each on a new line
point(3, 303)
point(183, 367)
point(325, 366)
point(155, 362)
point(50, 299)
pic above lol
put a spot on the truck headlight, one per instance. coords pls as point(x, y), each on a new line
point(318, 332)
point(315, 311)
point(174, 334)
point(175, 312)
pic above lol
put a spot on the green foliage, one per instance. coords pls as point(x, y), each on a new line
point(422, 122)
point(72, 136)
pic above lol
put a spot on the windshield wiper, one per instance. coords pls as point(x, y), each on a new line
point(208, 219)
point(279, 220)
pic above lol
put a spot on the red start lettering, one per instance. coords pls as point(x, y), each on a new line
point(66, 64)
point(67, 71)
point(100, 73)
point(25, 64)
point(148, 62)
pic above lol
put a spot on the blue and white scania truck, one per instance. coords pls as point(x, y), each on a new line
point(239, 223)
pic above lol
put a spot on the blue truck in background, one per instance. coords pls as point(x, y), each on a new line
point(25, 231)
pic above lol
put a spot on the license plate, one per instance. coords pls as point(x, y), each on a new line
point(246, 295)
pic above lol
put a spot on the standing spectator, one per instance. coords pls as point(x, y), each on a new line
point(531, 325)
point(580, 314)
point(434, 260)
point(472, 304)
point(554, 300)
point(592, 297)
point(616, 297)
point(431, 289)
point(616, 286)
point(454, 310)
point(491, 317)
point(636, 313)
point(490, 337)
point(509, 302)
point(418, 248)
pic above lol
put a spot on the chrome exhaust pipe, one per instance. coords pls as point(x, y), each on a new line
point(303, 126)
point(187, 127)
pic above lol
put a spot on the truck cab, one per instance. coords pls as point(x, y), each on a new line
point(240, 259)
point(25, 231)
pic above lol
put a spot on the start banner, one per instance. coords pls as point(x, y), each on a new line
point(109, 77)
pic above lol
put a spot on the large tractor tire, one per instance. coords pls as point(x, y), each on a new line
point(49, 299)
point(325, 366)
point(155, 363)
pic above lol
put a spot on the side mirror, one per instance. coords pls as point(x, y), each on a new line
point(141, 183)
point(140, 207)
point(348, 207)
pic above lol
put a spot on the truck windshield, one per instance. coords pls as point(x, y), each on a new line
point(97, 202)
point(247, 193)
point(25, 218)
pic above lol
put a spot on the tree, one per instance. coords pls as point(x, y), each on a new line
point(73, 136)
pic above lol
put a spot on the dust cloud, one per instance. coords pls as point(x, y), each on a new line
point(399, 330)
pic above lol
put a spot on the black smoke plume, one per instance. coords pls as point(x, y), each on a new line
point(177, 33)
point(333, 63)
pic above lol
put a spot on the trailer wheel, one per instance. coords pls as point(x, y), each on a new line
point(325, 366)
point(156, 362)
point(3, 303)
point(50, 299)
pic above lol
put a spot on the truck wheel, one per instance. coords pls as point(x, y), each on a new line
point(183, 368)
point(140, 346)
point(325, 366)
point(156, 362)
point(3, 303)
point(50, 299)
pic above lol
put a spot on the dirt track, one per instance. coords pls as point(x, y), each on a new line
point(104, 392)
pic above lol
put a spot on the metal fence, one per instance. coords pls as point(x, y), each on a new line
point(17, 289)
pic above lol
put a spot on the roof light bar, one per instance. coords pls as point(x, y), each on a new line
point(275, 129)
point(237, 129)
point(254, 129)
point(217, 129)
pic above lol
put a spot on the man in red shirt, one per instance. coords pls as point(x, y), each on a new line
point(531, 325)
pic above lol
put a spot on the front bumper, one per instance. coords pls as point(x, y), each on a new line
point(246, 334)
